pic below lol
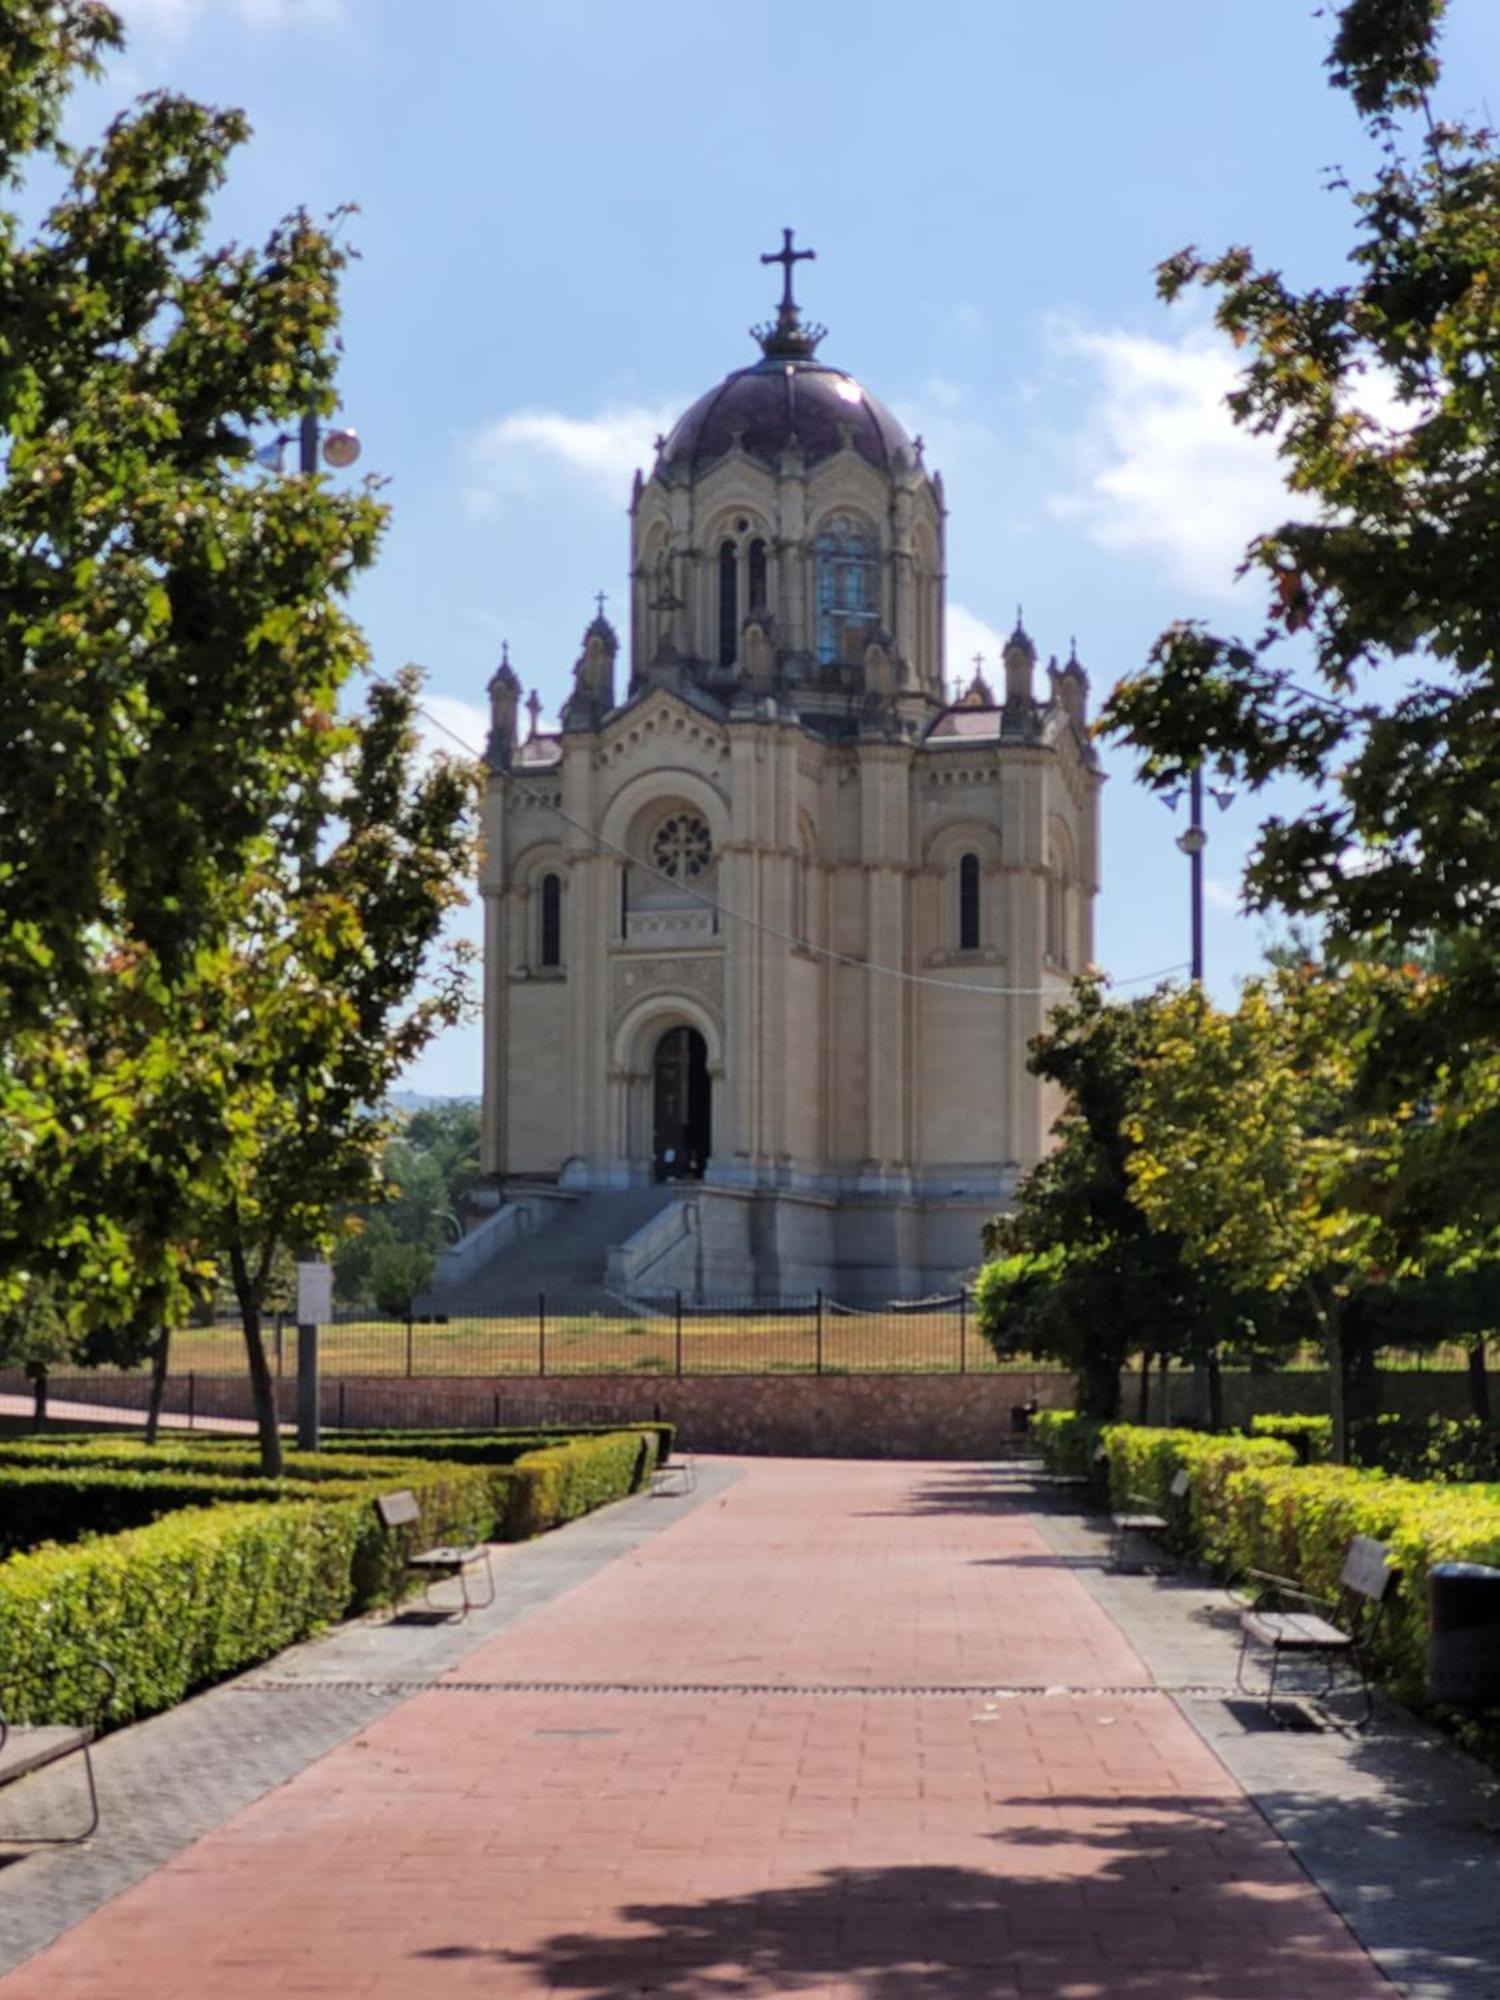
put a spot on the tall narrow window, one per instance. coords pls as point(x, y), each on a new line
point(758, 598)
point(729, 610)
point(847, 613)
point(968, 903)
point(551, 953)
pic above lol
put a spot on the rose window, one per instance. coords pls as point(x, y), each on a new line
point(681, 847)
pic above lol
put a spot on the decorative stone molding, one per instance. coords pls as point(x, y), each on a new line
point(702, 977)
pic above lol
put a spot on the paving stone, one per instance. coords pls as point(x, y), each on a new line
point(1397, 1827)
point(842, 1729)
point(165, 1782)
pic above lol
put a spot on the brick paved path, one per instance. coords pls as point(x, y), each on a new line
point(750, 1758)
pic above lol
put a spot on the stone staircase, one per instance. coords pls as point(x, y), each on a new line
point(565, 1259)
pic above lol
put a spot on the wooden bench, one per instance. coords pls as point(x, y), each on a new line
point(399, 1512)
point(25, 1748)
point(1140, 1517)
point(1288, 1619)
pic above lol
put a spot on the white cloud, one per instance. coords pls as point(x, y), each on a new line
point(456, 727)
point(965, 634)
point(600, 453)
point(1221, 895)
point(174, 19)
point(1163, 470)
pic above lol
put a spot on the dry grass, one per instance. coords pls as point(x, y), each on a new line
point(730, 1344)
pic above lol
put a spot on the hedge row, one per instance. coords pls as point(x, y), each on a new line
point(211, 1589)
point(1249, 1508)
point(531, 1437)
point(1464, 1449)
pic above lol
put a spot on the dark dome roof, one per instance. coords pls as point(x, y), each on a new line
point(777, 399)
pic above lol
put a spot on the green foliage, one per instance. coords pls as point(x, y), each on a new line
point(1067, 1441)
point(172, 1607)
point(208, 1590)
point(1373, 674)
point(538, 1485)
point(172, 651)
point(1310, 1437)
point(447, 1134)
point(398, 1272)
point(562, 1481)
point(1082, 1271)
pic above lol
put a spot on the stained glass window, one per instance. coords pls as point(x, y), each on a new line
point(847, 614)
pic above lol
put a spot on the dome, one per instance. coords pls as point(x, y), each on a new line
point(776, 401)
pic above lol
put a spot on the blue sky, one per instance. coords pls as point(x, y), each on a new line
point(562, 210)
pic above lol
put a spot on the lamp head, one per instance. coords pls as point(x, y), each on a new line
point(340, 448)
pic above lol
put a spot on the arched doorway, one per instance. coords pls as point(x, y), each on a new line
point(681, 1101)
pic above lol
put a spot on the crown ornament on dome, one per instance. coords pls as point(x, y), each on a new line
point(787, 338)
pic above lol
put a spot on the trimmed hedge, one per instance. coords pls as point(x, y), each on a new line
point(211, 1589)
point(542, 1486)
point(1067, 1442)
point(1251, 1507)
point(1420, 1448)
point(533, 1438)
point(205, 1591)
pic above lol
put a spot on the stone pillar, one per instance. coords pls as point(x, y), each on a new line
point(885, 850)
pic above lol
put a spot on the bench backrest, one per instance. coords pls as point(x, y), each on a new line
point(399, 1510)
point(1181, 1480)
point(1367, 1570)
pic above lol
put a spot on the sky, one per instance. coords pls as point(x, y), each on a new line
point(561, 214)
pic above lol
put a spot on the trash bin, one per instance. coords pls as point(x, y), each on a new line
point(1463, 1646)
point(1020, 1418)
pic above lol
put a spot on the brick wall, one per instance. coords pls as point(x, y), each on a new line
point(835, 1416)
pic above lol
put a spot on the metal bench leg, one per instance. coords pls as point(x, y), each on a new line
point(483, 1603)
point(63, 1839)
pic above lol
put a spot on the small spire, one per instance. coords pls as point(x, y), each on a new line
point(505, 674)
point(534, 710)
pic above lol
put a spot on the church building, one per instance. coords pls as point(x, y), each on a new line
point(770, 920)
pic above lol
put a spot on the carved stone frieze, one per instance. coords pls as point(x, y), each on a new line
point(700, 975)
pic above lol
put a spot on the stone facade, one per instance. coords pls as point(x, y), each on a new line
point(771, 911)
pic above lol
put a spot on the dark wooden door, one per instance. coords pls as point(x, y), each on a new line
point(682, 1108)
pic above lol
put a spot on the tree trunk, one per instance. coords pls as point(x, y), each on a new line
point(1215, 1391)
point(1166, 1389)
point(159, 1359)
point(1338, 1399)
point(1479, 1381)
point(262, 1383)
point(1143, 1401)
point(38, 1373)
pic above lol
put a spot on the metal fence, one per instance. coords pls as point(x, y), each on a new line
point(668, 1337)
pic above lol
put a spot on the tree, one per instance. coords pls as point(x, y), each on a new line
point(1374, 673)
point(449, 1133)
point(172, 651)
point(1081, 1270)
point(333, 993)
point(1251, 1144)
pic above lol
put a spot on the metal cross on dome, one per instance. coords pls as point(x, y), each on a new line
point(786, 257)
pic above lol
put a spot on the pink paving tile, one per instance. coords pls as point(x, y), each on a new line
point(868, 1844)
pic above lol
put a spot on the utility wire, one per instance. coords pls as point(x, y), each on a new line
point(758, 923)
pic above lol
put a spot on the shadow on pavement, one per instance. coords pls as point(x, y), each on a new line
point(1133, 1896)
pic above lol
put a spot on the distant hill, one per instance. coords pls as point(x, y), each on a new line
point(416, 1100)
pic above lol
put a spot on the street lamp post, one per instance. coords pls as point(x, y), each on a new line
point(1192, 842)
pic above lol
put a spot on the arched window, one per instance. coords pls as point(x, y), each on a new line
point(968, 903)
point(847, 611)
point(551, 921)
point(1057, 906)
point(729, 613)
point(758, 598)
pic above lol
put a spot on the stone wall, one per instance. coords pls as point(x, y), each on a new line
point(834, 1416)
